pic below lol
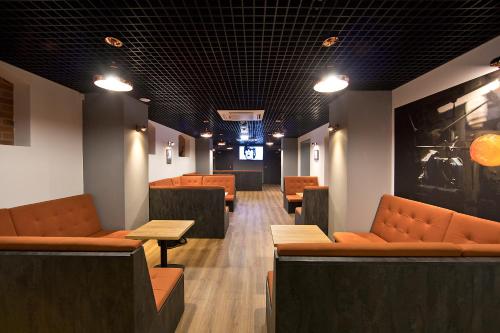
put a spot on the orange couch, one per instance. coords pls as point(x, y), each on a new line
point(226, 181)
point(294, 185)
point(402, 220)
point(74, 216)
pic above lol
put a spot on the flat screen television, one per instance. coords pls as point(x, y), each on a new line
point(251, 153)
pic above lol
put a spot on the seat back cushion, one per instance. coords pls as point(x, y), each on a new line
point(226, 181)
point(408, 249)
point(191, 180)
point(176, 181)
point(466, 229)
point(294, 184)
point(6, 225)
point(167, 182)
point(68, 217)
point(403, 220)
point(72, 244)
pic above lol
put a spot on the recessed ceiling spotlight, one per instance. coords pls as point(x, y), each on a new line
point(278, 121)
point(332, 83)
point(329, 41)
point(278, 134)
point(495, 62)
point(144, 99)
point(113, 41)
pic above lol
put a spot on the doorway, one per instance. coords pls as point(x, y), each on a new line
point(305, 158)
point(272, 166)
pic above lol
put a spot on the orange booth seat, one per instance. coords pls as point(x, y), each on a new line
point(74, 216)
point(294, 185)
point(225, 181)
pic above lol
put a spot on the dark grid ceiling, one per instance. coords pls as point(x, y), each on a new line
point(194, 57)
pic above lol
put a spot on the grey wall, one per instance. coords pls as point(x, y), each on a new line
point(115, 159)
point(289, 158)
point(361, 155)
point(204, 157)
point(305, 158)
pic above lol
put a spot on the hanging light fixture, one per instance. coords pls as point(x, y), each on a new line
point(229, 148)
point(278, 134)
point(206, 134)
point(485, 150)
point(332, 83)
point(269, 143)
point(221, 143)
point(112, 80)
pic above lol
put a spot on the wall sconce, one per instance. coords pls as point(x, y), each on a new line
point(141, 128)
point(170, 144)
point(495, 62)
point(333, 128)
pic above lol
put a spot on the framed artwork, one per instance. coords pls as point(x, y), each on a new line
point(182, 147)
point(169, 155)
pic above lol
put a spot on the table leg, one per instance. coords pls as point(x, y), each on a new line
point(163, 252)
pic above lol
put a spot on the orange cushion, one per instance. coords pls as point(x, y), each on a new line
point(480, 250)
point(293, 198)
point(230, 197)
point(270, 283)
point(226, 181)
point(407, 249)
point(176, 181)
point(357, 237)
point(294, 184)
point(403, 220)
point(163, 281)
point(6, 225)
point(76, 244)
point(298, 211)
point(469, 229)
point(161, 183)
point(111, 233)
point(191, 180)
point(67, 217)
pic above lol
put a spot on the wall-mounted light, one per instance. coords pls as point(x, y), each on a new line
point(495, 62)
point(278, 134)
point(170, 144)
point(333, 128)
point(316, 154)
point(141, 128)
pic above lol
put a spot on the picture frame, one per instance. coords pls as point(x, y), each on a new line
point(169, 154)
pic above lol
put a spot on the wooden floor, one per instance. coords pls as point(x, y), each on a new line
point(225, 278)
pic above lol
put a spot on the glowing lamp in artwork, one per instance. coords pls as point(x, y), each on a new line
point(485, 150)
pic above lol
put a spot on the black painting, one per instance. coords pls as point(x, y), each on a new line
point(434, 160)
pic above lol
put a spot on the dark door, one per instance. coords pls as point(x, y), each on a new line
point(272, 166)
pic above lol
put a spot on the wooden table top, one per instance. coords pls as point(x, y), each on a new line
point(161, 230)
point(285, 234)
point(300, 194)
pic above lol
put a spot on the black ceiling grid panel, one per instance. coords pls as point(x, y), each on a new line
point(192, 58)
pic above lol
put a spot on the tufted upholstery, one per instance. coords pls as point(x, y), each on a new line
point(176, 181)
point(227, 181)
point(6, 224)
point(69, 217)
point(163, 281)
point(296, 184)
point(465, 229)
point(161, 183)
point(191, 180)
point(403, 220)
point(357, 237)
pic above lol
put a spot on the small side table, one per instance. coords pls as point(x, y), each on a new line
point(162, 231)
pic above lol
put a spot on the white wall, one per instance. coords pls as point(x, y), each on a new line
point(51, 166)
point(158, 167)
point(317, 168)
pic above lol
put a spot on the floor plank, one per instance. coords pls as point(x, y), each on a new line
point(225, 279)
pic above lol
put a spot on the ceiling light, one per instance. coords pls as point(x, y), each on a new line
point(495, 62)
point(206, 134)
point(332, 83)
point(113, 83)
point(221, 143)
point(278, 134)
point(144, 99)
point(229, 148)
point(329, 41)
point(269, 143)
point(244, 137)
point(113, 41)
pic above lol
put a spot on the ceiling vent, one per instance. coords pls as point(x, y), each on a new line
point(241, 115)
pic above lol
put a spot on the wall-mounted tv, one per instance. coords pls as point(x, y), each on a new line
point(251, 153)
